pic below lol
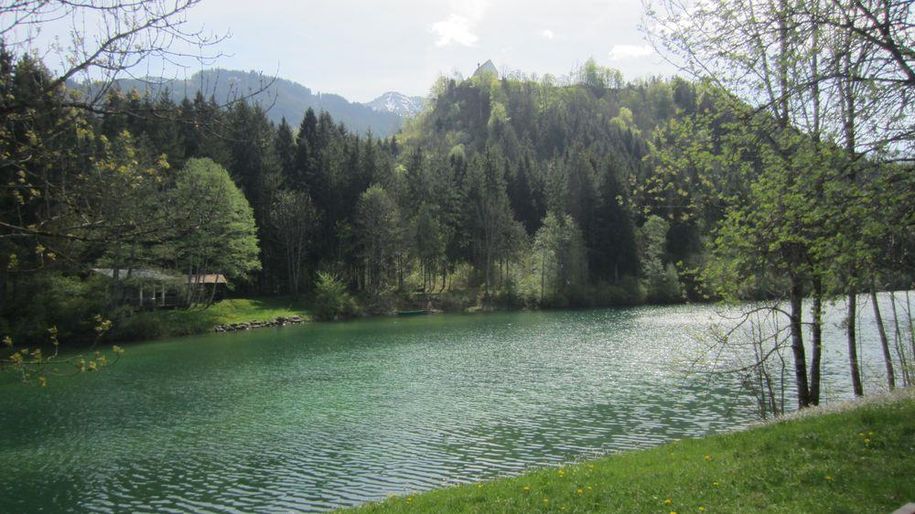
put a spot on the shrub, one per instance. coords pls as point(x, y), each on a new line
point(50, 299)
point(331, 300)
point(665, 286)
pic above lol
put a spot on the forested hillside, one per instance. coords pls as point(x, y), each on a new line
point(502, 193)
point(573, 166)
point(279, 97)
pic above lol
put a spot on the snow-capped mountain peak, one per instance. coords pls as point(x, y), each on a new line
point(398, 103)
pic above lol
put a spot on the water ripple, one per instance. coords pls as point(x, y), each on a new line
point(315, 417)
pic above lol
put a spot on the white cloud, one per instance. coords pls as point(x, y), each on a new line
point(460, 26)
point(455, 29)
point(623, 52)
point(548, 34)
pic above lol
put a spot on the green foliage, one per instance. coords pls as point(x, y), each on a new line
point(627, 291)
point(661, 282)
point(214, 220)
point(378, 232)
point(563, 265)
point(53, 299)
point(597, 77)
point(331, 299)
point(294, 221)
point(460, 200)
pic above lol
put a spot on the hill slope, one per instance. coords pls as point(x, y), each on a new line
point(284, 98)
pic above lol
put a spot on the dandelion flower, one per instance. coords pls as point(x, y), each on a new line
point(668, 501)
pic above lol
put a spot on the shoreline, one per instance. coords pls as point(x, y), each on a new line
point(264, 312)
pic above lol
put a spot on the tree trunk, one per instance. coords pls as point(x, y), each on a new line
point(884, 342)
point(190, 270)
point(488, 273)
point(542, 273)
point(853, 345)
point(817, 342)
point(908, 310)
point(897, 341)
point(797, 344)
point(213, 292)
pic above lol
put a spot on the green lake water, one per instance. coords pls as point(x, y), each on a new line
point(327, 415)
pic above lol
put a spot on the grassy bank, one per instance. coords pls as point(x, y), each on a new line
point(858, 460)
point(180, 322)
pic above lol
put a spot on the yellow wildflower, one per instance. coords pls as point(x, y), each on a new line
point(668, 501)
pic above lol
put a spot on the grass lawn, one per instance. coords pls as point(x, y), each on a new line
point(855, 461)
point(261, 309)
point(178, 322)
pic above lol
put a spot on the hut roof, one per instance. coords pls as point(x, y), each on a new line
point(139, 273)
point(207, 278)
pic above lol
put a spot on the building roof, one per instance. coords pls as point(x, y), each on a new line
point(164, 276)
point(139, 273)
point(487, 69)
point(207, 278)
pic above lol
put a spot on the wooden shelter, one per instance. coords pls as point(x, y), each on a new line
point(148, 288)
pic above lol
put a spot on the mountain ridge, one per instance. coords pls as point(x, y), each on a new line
point(398, 103)
point(283, 98)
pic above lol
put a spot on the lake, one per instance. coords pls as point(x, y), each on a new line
point(326, 415)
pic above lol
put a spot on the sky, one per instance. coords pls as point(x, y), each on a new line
point(363, 48)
